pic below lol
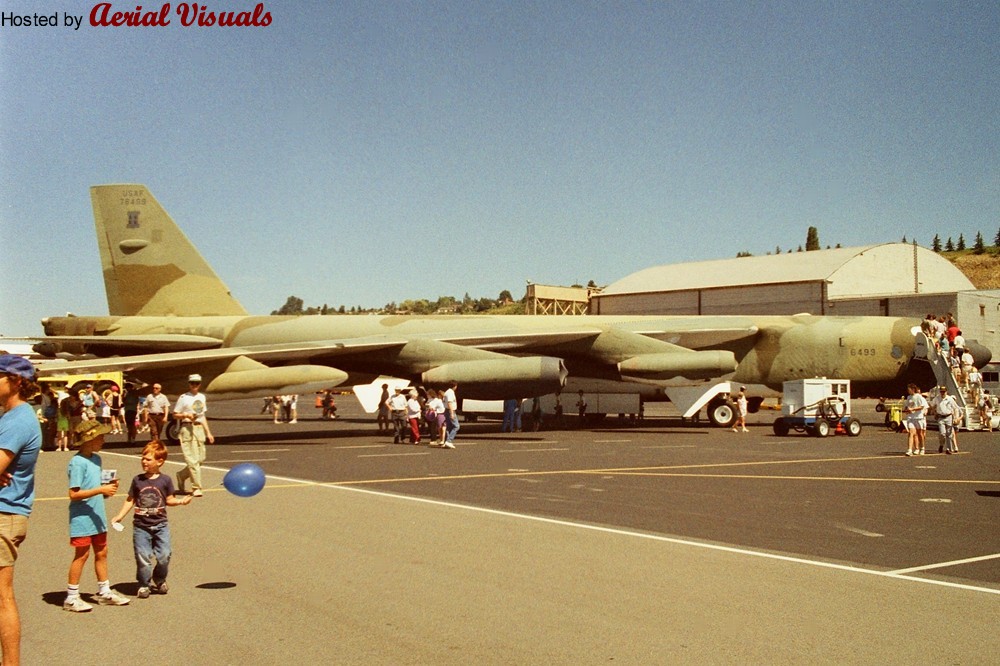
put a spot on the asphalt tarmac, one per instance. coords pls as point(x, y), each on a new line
point(647, 543)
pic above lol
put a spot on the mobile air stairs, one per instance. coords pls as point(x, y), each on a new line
point(925, 349)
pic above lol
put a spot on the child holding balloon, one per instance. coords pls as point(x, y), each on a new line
point(150, 494)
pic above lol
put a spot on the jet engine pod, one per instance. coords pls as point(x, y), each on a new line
point(499, 378)
point(670, 365)
point(46, 348)
point(272, 381)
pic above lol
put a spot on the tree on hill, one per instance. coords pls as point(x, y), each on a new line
point(293, 306)
point(979, 247)
point(961, 242)
point(936, 243)
point(812, 239)
point(996, 240)
point(949, 246)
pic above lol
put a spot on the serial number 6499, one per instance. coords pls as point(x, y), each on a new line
point(863, 352)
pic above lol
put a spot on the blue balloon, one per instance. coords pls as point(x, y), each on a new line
point(244, 480)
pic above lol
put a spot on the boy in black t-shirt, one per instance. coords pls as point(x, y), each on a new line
point(151, 493)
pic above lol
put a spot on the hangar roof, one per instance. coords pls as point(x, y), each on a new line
point(888, 268)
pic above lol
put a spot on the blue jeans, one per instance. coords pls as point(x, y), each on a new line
point(451, 426)
point(151, 543)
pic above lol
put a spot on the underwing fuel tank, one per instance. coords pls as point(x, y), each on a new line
point(670, 365)
point(271, 381)
point(496, 379)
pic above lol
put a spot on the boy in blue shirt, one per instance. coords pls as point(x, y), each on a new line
point(88, 527)
point(151, 493)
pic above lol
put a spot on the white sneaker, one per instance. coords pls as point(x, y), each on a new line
point(112, 598)
point(449, 445)
point(77, 605)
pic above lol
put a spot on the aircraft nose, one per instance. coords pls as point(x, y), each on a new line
point(981, 355)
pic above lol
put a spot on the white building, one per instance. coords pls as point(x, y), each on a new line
point(891, 279)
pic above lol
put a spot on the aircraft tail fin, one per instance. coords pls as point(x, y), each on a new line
point(150, 266)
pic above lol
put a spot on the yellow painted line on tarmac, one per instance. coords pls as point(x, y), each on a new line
point(747, 463)
point(602, 470)
point(268, 486)
point(660, 470)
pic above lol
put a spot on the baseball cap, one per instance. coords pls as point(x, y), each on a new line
point(12, 364)
point(194, 379)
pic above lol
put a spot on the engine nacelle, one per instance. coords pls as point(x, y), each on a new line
point(496, 379)
point(671, 365)
point(47, 349)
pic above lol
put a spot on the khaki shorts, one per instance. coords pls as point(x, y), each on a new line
point(13, 530)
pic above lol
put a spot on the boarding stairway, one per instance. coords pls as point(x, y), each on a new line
point(926, 350)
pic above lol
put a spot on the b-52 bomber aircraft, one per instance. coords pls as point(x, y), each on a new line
point(171, 315)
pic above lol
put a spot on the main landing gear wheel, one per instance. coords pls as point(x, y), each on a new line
point(172, 432)
point(722, 413)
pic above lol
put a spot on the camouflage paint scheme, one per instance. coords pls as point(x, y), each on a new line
point(171, 315)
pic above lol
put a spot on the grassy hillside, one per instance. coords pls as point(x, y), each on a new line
point(982, 269)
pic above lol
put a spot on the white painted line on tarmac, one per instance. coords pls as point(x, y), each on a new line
point(260, 451)
point(940, 565)
point(387, 455)
point(529, 450)
point(242, 460)
point(612, 441)
point(856, 530)
point(665, 539)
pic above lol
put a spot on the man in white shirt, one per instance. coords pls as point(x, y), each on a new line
point(157, 409)
point(397, 408)
point(968, 363)
point(450, 415)
point(947, 411)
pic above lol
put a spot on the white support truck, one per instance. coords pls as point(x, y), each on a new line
point(817, 407)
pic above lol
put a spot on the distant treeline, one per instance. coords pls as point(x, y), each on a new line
point(978, 247)
point(503, 304)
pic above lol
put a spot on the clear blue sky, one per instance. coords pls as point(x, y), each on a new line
point(358, 153)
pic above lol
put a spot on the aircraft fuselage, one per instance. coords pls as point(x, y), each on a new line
point(767, 349)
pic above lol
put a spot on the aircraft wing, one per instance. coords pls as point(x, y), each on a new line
point(109, 345)
point(685, 336)
point(236, 372)
point(273, 353)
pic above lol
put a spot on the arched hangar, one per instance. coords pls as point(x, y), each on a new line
point(891, 279)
